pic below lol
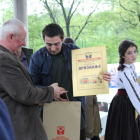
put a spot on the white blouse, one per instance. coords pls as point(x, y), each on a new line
point(126, 79)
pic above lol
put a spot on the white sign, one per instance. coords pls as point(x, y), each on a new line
point(112, 69)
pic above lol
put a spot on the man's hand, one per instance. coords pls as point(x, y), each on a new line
point(57, 91)
point(107, 76)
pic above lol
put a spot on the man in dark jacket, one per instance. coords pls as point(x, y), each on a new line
point(53, 63)
point(17, 88)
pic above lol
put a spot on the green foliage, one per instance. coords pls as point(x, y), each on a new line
point(35, 26)
point(115, 22)
point(6, 10)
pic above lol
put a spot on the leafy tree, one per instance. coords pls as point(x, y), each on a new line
point(67, 13)
point(116, 21)
point(35, 25)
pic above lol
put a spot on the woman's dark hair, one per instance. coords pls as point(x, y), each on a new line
point(122, 50)
point(52, 30)
point(69, 40)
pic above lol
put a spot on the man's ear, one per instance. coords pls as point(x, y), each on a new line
point(10, 37)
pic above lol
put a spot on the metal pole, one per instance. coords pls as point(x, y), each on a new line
point(20, 13)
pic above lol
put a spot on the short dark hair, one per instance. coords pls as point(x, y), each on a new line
point(52, 30)
point(124, 45)
point(69, 40)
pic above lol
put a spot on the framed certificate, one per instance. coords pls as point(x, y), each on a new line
point(88, 66)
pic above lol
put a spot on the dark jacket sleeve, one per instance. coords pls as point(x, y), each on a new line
point(6, 129)
point(34, 71)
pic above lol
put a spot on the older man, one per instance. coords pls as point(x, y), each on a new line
point(17, 87)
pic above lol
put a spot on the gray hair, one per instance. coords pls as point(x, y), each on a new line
point(11, 26)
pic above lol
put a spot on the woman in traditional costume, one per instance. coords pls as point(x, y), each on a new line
point(121, 124)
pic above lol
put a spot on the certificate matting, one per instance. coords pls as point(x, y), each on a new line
point(88, 66)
